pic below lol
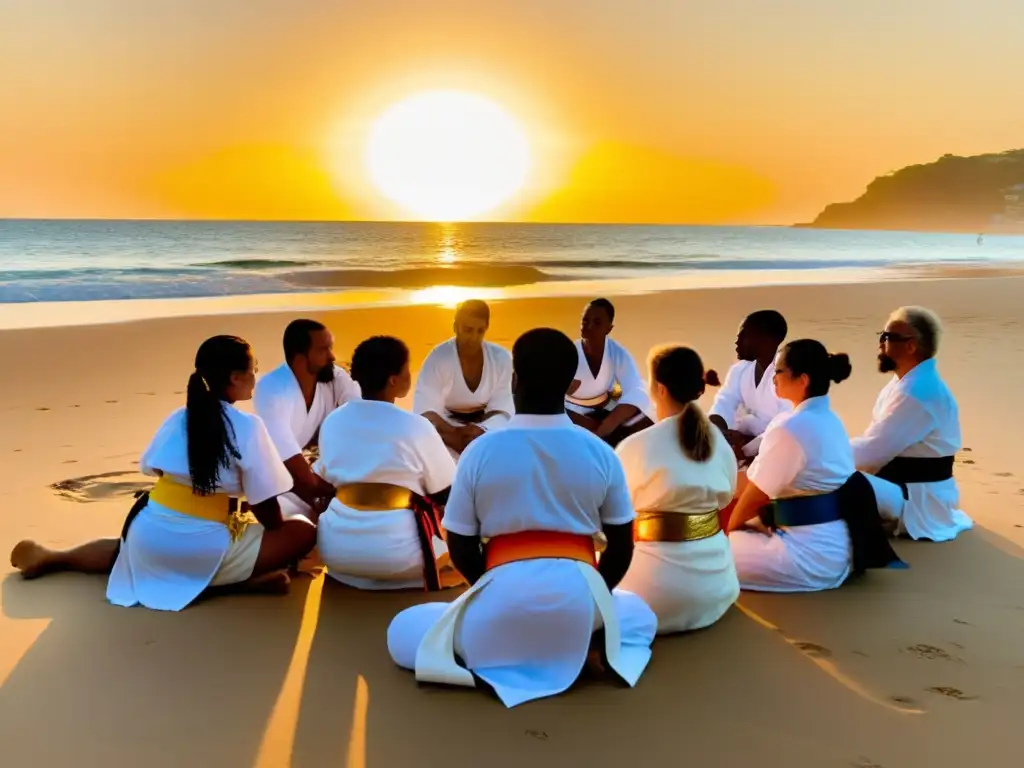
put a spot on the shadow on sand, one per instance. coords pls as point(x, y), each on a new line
point(234, 682)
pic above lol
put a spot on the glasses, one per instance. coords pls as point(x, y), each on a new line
point(884, 336)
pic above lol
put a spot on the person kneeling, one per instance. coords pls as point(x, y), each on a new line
point(806, 518)
point(190, 533)
point(392, 473)
point(537, 492)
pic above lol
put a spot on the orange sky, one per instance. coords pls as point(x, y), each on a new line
point(724, 111)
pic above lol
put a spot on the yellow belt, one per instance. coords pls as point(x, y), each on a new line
point(216, 507)
point(374, 497)
point(675, 526)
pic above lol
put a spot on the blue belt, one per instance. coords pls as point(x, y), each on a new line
point(805, 510)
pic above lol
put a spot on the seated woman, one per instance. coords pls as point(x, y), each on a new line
point(680, 472)
point(806, 519)
point(190, 532)
point(392, 472)
point(607, 396)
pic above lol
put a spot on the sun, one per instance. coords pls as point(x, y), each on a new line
point(447, 155)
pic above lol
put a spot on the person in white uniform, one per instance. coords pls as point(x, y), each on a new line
point(747, 401)
point(806, 519)
point(464, 387)
point(537, 492)
point(915, 432)
point(392, 473)
point(294, 399)
point(190, 533)
point(680, 473)
point(607, 395)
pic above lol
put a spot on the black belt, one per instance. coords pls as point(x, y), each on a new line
point(471, 417)
point(803, 510)
point(904, 470)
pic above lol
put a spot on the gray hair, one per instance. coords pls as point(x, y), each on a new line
point(926, 326)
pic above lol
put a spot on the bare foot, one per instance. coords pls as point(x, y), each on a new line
point(33, 560)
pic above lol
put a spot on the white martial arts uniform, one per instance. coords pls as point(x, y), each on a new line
point(278, 400)
point(916, 416)
point(688, 584)
point(169, 558)
point(748, 407)
point(806, 451)
point(617, 367)
point(525, 627)
point(441, 386)
point(370, 441)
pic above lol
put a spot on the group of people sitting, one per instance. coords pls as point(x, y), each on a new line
point(587, 509)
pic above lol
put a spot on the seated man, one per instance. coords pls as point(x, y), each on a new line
point(294, 399)
point(465, 386)
point(603, 367)
point(537, 492)
point(392, 474)
point(914, 432)
point(747, 402)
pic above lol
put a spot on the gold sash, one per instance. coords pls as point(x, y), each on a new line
point(374, 497)
point(675, 526)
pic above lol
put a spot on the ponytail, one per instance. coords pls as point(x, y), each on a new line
point(209, 433)
point(695, 436)
point(681, 371)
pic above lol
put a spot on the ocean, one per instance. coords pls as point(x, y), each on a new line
point(55, 261)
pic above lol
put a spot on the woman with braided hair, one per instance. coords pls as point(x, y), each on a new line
point(680, 472)
point(192, 532)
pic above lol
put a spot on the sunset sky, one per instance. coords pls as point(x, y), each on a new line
point(689, 111)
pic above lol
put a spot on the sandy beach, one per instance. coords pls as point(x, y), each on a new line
point(922, 667)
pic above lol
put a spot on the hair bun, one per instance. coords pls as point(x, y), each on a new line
point(839, 367)
point(711, 378)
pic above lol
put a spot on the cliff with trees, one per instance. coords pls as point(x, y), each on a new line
point(984, 193)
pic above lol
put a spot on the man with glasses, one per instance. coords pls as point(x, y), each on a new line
point(907, 452)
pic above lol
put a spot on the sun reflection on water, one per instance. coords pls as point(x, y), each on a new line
point(451, 295)
point(448, 251)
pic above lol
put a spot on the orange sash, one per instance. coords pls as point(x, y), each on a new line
point(534, 545)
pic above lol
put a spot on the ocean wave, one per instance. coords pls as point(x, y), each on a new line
point(258, 264)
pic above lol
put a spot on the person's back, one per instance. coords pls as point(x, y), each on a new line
point(190, 532)
point(379, 532)
point(540, 473)
point(537, 492)
point(680, 473)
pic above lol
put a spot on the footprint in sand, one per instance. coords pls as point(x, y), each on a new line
point(539, 735)
point(930, 652)
point(904, 700)
point(953, 693)
point(1003, 474)
point(967, 461)
point(42, 409)
point(106, 485)
point(148, 394)
point(966, 450)
point(958, 621)
point(865, 762)
point(17, 450)
point(110, 402)
point(814, 650)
